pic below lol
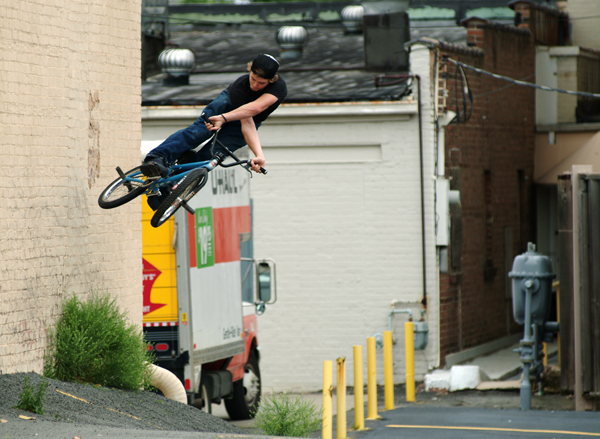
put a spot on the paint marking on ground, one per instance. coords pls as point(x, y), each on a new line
point(513, 430)
point(73, 396)
point(107, 408)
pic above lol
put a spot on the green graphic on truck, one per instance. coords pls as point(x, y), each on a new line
point(205, 239)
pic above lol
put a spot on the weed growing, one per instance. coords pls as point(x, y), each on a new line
point(92, 342)
point(287, 415)
point(32, 400)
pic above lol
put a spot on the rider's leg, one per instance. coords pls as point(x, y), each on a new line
point(192, 136)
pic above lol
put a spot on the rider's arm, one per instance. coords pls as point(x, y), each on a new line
point(251, 137)
point(246, 111)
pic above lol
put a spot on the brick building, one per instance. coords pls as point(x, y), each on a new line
point(490, 157)
point(69, 115)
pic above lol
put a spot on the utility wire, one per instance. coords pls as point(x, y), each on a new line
point(524, 83)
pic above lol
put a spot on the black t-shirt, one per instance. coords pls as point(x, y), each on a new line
point(240, 94)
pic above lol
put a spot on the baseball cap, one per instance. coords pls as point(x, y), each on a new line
point(267, 63)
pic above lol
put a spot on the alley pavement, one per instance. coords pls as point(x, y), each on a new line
point(492, 410)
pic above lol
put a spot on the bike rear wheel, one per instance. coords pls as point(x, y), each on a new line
point(182, 192)
point(122, 191)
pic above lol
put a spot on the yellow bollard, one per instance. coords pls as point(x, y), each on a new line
point(327, 392)
point(545, 351)
point(359, 403)
point(341, 398)
point(388, 370)
point(410, 361)
point(371, 379)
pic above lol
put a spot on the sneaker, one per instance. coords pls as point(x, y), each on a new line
point(154, 167)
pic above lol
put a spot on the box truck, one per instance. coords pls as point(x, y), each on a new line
point(203, 290)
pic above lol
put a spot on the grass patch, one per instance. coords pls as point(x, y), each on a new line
point(32, 400)
point(93, 342)
point(287, 415)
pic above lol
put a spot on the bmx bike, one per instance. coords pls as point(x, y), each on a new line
point(182, 182)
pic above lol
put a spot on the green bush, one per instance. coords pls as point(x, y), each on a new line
point(286, 415)
point(30, 400)
point(93, 343)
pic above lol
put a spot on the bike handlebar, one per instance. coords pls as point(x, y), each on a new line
point(206, 119)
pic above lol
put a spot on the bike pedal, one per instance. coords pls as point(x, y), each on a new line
point(187, 207)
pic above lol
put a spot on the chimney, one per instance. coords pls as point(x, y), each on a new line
point(386, 28)
point(549, 26)
point(522, 13)
point(385, 35)
point(475, 30)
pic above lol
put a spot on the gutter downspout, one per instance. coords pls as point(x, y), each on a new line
point(424, 301)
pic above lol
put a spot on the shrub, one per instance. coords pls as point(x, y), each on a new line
point(93, 343)
point(30, 400)
point(286, 415)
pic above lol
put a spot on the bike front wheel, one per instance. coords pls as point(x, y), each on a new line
point(123, 190)
point(182, 192)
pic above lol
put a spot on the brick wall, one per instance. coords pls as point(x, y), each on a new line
point(490, 158)
point(69, 113)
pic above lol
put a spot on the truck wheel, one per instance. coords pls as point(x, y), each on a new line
point(246, 392)
point(206, 404)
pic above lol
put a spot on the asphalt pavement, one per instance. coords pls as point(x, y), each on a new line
point(491, 410)
point(465, 423)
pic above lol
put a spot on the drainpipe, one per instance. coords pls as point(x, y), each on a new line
point(166, 381)
point(424, 301)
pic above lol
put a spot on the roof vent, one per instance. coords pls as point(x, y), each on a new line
point(176, 65)
point(292, 40)
point(352, 18)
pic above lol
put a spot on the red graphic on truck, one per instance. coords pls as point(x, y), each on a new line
point(151, 273)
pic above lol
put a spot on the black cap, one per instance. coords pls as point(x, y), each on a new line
point(267, 64)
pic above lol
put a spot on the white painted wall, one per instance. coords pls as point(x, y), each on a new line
point(340, 212)
point(584, 16)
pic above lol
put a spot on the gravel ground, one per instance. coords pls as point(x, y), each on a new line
point(69, 407)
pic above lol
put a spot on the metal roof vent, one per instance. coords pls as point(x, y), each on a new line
point(176, 64)
point(352, 18)
point(292, 40)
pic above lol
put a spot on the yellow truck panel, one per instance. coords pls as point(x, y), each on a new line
point(160, 270)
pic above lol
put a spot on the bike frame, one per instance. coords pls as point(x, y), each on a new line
point(179, 171)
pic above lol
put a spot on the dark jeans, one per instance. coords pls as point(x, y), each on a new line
point(189, 138)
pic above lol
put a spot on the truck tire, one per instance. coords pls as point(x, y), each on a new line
point(203, 403)
point(246, 392)
point(206, 403)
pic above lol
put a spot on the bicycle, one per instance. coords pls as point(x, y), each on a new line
point(183, 181)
